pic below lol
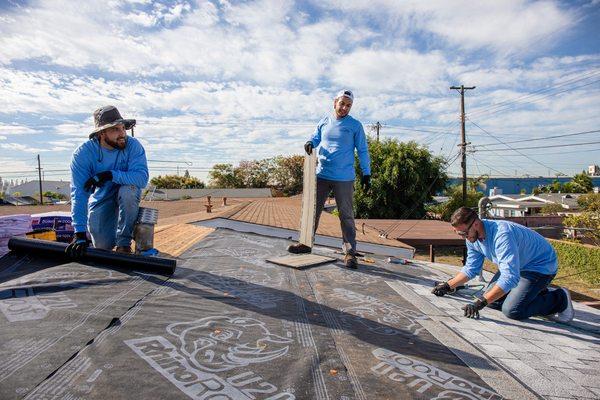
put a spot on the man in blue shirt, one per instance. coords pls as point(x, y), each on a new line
point(526, 262)
point(111, 168)
point(337, 136)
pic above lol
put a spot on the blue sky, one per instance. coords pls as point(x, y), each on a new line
point(224, 81)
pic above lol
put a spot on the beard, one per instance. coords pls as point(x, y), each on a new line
point(116, 144)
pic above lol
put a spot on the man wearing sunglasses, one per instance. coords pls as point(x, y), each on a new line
point(108, 173)
point(526, 263)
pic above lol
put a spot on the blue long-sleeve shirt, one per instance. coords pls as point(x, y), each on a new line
point(337, 139)
point(128, 167)
point(514, 248)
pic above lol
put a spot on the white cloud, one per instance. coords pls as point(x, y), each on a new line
point(23, 148)
point(223, 81)
point(13, 130)
point(371, 71)
point(502, 26)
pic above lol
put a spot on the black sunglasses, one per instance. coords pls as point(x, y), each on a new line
point(465, 233)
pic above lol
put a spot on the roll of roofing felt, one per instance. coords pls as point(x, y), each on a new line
point(163, 266)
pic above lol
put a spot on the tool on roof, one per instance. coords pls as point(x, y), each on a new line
point(158, 265)
point(143, 232)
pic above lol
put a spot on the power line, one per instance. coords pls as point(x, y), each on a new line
point(544, 138)
point(547, 154)
point(539, 147)
point(524, 155)
point(539, 99)
point(507, 103)
point(491, 168)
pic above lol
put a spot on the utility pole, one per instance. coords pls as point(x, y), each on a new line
point(39, 168)
point(377, 126)
point(463, 144)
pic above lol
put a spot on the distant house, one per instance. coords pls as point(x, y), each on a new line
point(504, 206)
point(18, 200)
point(594, 170)
point(32, 188)
point(153, 193)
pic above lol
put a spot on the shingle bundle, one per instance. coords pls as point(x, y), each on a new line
point(13, 225)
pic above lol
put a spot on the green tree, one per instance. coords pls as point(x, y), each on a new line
point(253, 174)
point(176, 182)
point(287, 173)
point(404, 177)
point(54, 195)
point(223, 176)
point(455, 201)
point(582, 183)
point(589, 202)
point(588, 219)
point(551, 209)
point(477, 183)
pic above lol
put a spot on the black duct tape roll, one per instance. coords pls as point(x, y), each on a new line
point(157, 265)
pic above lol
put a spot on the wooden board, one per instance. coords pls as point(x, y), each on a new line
point(301, 261)
point(174, 239)
point(309, 200)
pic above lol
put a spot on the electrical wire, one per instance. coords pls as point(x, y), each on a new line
point(524, 155)
point(493, 109)
point(533, 139)
point(538, 147)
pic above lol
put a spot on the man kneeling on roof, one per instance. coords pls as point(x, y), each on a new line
point(526, 262)
point(112, 169)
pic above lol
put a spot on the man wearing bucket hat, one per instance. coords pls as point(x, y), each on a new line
point(337, 136)
point(111, 168)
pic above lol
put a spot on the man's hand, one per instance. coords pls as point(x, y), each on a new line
point(365, 181)
point(77, 247)
point(441, 289)
point(97, 181)
point(472, 310)
point(308, 147)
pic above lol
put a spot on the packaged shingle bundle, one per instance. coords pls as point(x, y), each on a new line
point(60, 221)
point(13, 225)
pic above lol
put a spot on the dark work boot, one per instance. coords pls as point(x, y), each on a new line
point(350, 260)
point(299, 248)
point(123, 249)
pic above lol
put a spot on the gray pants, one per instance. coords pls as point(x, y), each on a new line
point(343, 192)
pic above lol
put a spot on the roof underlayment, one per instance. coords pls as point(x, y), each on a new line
point(229, 325)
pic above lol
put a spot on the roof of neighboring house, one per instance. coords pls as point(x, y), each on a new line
point(568, 200)
point(416, 232)
point(508, 197)
point(19, 200)
point(173, 194)
point(33, 187)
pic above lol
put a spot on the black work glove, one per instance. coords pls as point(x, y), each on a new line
point(441, 289)
point(365, 181)
point(308, 147)
point(97, 181)
point(472, 310)
point(77, 247)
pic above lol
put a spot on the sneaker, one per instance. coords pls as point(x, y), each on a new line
point(123, 249)
point(350, 261)
point(567, 314)
point(299, 248)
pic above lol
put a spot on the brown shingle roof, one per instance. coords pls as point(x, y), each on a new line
point(281, 212)
point(284, 212)
point(416, 232)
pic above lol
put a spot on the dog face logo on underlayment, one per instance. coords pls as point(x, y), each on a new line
point(221, 343)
